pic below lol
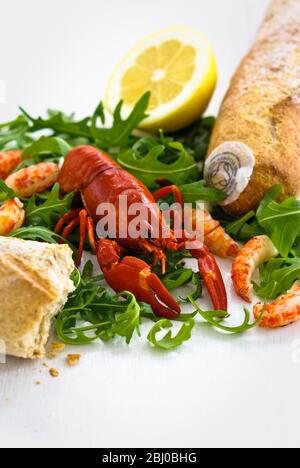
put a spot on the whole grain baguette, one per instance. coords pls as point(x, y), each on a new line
point(34, 285)
point(262, 107)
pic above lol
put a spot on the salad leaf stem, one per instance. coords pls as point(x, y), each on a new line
point(213, 318)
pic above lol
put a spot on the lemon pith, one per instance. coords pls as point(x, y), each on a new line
point(178, 67)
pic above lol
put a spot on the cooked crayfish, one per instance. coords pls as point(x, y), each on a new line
point(100, 180)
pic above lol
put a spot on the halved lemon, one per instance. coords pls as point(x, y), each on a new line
point(178, 66)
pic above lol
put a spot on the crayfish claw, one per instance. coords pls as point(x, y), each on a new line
point(212, 277)
point(135, 275)
point(163, 302)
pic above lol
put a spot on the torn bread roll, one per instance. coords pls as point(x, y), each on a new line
point(256, 140)
point(34, 285)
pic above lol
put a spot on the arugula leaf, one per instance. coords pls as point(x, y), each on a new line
point(213, 318)
point(156, 165)
point(5, 192)
point(295, 252)
point(45, 149)
point(83, 308)
point(240, 229)
point(68, 332)
point(36, 233)
point(92, 312)
point(49, 145)
point(251, 230)
point(85, 131)
point(281, 221)
point(48, 212)
point(196, 281)
point(271, 195)
point(145, 144)
point(129, 321)
point(235, 226)
point(177, 278)
point(196, 137)
point(168, 342)
point(76, 277)
point(87, 273)
point(13, 133)
point(119, 135)
point(185, 317)
point(277, 277)
point(182, 277)
point(60, 123)
point(199, 191)
point(89, 303)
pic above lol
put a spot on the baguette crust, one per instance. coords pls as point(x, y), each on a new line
point(34, 285)
point(262, 107)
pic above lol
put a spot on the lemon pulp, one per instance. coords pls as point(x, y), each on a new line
point(164, 70)
point(178, 67)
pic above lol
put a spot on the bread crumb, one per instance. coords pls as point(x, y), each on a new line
point(54, 372)
point(55, 349)
point(73, 359)
point(45, 364)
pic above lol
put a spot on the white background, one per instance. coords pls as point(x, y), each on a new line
point(217, 391)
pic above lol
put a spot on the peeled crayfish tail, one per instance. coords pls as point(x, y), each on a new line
point(12, 216)
point(214, 236)
point(9, 160)
point(33, 179)
point(258, 250)
point(284, 311)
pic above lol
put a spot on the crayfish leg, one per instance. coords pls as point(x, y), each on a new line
point(73, 219)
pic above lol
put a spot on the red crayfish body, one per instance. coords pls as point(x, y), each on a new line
point(100, 180)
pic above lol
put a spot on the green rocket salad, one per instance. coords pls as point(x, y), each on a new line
point(93, 312)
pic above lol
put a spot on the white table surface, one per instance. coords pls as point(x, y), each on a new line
point(216, 391)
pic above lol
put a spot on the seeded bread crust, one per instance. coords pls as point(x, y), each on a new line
point(262, 106)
